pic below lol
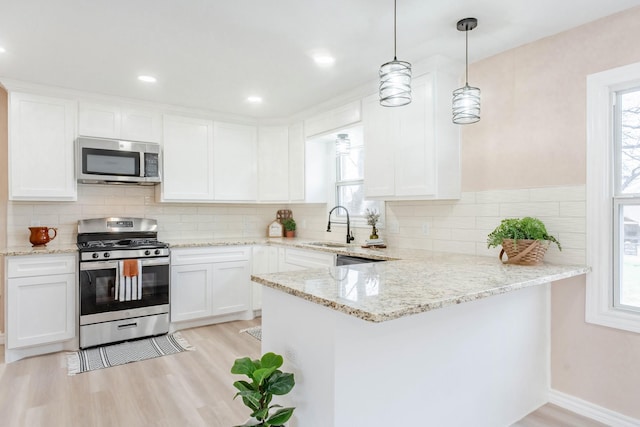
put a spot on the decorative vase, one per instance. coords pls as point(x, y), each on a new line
point(374, 233)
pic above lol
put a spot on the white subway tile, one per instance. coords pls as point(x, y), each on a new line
point(503, 196)
point(538, 209)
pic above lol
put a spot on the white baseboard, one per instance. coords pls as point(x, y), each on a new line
point(590, 410)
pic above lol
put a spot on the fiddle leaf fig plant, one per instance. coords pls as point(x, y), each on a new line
point(265, 381)
point(527, 228)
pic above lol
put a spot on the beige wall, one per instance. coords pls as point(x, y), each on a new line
point(533, 134)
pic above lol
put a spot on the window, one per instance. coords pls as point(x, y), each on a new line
point(613, 198)
point(350, 186)
point(626, 200)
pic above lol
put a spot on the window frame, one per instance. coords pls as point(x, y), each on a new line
point(357, 220)
point(601, 202)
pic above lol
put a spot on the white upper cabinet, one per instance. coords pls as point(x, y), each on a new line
point(413, 151)
point(273, 163)
point(113, 121)
point(296, 163)
point(187, 159)
point(235, 162)
point(334, 119)
point(281, 163)
point(41, 147)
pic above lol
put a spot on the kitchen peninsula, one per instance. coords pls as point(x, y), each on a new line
point(438, 339)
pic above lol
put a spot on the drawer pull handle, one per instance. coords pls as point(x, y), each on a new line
point(128, 325)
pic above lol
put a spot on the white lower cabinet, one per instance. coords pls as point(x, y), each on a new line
point(210, 281)
point(264, 260)
point(41, 306)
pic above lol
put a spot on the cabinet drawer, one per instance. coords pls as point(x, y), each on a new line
point(40, 265)
point(209, 254)
point(309, 259)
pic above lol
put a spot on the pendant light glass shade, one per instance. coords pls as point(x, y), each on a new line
point(395, 77)
point(395, 83)
point(466, 105)
point(466, 100)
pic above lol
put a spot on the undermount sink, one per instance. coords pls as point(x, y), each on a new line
point(328, 244)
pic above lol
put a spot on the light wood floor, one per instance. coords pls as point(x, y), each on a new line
point(188, 389)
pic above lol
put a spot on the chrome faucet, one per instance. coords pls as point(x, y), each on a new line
point(350, 237)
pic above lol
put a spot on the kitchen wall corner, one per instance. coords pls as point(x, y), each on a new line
point(4, 190)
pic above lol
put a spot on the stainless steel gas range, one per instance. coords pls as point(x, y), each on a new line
point(123, 280)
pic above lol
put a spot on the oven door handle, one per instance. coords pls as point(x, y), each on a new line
point(99, 265)
point(155, 261)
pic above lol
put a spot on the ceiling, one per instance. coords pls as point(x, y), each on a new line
point(213, 54)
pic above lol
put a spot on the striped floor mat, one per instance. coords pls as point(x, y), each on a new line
point(126, 352)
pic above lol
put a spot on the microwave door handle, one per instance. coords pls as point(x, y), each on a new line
point(141, 164)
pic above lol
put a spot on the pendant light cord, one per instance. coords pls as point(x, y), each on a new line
point(466, 57)
point(395, 58)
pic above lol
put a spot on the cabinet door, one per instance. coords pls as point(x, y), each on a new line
point(99, 120)
point(273, 164)
point(140, 125)
point(235, 162)
point(296, 163)
point(191, 287)
point(264, 260)
point(379, 130)
point(231, 287)
point(40, 310)
point(187, 159)
point(415, 161)
point(41, 153)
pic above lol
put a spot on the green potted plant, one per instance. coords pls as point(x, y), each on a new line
point(266, 380)
point(289, 225)
point(525, 240)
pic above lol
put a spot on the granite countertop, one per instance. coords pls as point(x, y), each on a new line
point(41, 250)
point(413, 281)
point(378, 292)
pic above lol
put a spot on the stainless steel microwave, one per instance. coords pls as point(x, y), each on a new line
point(112, 161)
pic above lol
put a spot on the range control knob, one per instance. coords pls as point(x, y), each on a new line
point(107, 255)
point(147, 252)
point(157, 252)
point(95, 255)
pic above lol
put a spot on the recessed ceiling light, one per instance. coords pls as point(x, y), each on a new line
point(324, 60)
point(147, 79)
point(254, 99)
point(2, 50)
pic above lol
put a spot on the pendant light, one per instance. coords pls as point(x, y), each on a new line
point(395, 77)
point(343, 144)
point(466, 100)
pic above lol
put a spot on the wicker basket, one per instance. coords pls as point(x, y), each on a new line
point(525, 252)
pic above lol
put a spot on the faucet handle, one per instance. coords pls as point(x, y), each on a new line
point(350, 237)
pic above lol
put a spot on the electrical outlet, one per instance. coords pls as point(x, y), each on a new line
point(303, 223)
point(394, 227)
point(425, 228)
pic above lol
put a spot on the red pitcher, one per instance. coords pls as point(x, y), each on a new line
point(40, 236)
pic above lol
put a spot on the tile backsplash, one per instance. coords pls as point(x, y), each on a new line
point(459, 226)
point(175, 220)
point(462, 225)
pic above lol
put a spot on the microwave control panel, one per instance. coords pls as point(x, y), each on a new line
point(151, 165)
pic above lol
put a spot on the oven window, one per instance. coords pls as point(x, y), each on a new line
point(98, 290)
point(110, 162)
